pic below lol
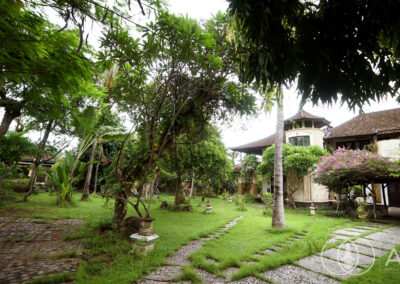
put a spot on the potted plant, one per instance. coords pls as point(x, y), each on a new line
point(362, 210)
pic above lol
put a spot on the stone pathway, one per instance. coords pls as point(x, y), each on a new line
point(349, 258)
point(35, 247)
point(166, 273)
point(353, 255)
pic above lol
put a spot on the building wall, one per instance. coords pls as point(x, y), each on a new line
point(311, 192)
point(389, 148)
point(316, 135)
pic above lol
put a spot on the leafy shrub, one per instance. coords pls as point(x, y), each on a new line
point(241, 208)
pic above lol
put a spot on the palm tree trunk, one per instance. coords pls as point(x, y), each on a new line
point(96, 175)
point(278, 217)
point(85, 193)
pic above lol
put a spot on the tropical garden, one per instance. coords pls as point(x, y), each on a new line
point(112, 165)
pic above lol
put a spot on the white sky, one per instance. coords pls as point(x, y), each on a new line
point(243, 131)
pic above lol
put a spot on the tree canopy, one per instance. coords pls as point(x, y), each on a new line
point(330, 47)
point(298, 162)
point(174, 81)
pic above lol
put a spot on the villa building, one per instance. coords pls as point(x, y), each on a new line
point(302, 129)
point(379, 131)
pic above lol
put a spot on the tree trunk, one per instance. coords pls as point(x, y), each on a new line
point(120, 210)
point(38, 159)
point(97, 172)
point(179, 195)
point(12, 111)
point(86, 188)
point(191, 187)
point(374, 215)
point(338, 204)
point(278, 217)
point(1, 189)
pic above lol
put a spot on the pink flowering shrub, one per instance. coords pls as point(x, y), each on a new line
point(344, 168)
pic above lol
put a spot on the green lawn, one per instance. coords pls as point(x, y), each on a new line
point(107, 258)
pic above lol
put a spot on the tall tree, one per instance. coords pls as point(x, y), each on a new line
point(330, 47)
point(278, 216)
point(36, 60)
point(345, 50)
point(173, 81)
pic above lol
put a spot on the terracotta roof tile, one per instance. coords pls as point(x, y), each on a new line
point(374, 123)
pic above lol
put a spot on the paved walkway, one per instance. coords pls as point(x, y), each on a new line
point(181, 257)
point(35, 247)
point(346, 260)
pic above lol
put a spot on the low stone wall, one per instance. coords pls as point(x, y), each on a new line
point(306, 204)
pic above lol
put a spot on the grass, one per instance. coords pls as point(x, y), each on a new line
point(52, 279)
point(66, 254)
point(254, 233)
point(107, 257)
point(380, 273)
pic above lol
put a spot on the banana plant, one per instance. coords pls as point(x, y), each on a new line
point(60, 178)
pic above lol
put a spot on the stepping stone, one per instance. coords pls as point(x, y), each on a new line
point(393, 230)
point(276, 247)
point(374, 224)
point(295, 274)
point(164, 273)
point(249, 280)
point(358, 230)
point(181, 256)
point(209, 277)
point(269, 251)
point(366, 228)
point(155, 282)
point(230, 271)
point(329, 267)
point(375, 243)
point(385, 237)
point(375, 252)
point(346, 232)
point(349, 257)
point(258, 255)
point(212, 261)
point(336, 238)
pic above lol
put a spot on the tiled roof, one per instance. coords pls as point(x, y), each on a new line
point(374, 123)
point(257, 147)
point(302, 114)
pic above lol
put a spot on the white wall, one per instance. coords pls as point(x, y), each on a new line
point(316, 135)
point(389, 148)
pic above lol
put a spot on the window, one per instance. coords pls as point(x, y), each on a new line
point(300, 140)
point(308, 123)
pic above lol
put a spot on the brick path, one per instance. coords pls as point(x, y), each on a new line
point(35, 247)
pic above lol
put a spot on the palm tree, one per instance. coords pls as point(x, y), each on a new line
point(107, 80)
point(271, 96)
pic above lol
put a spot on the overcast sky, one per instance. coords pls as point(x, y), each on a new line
point(244, 131)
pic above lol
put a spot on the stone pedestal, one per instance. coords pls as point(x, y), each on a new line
point(143, 244)
point(208, 209)
point(313, 209)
